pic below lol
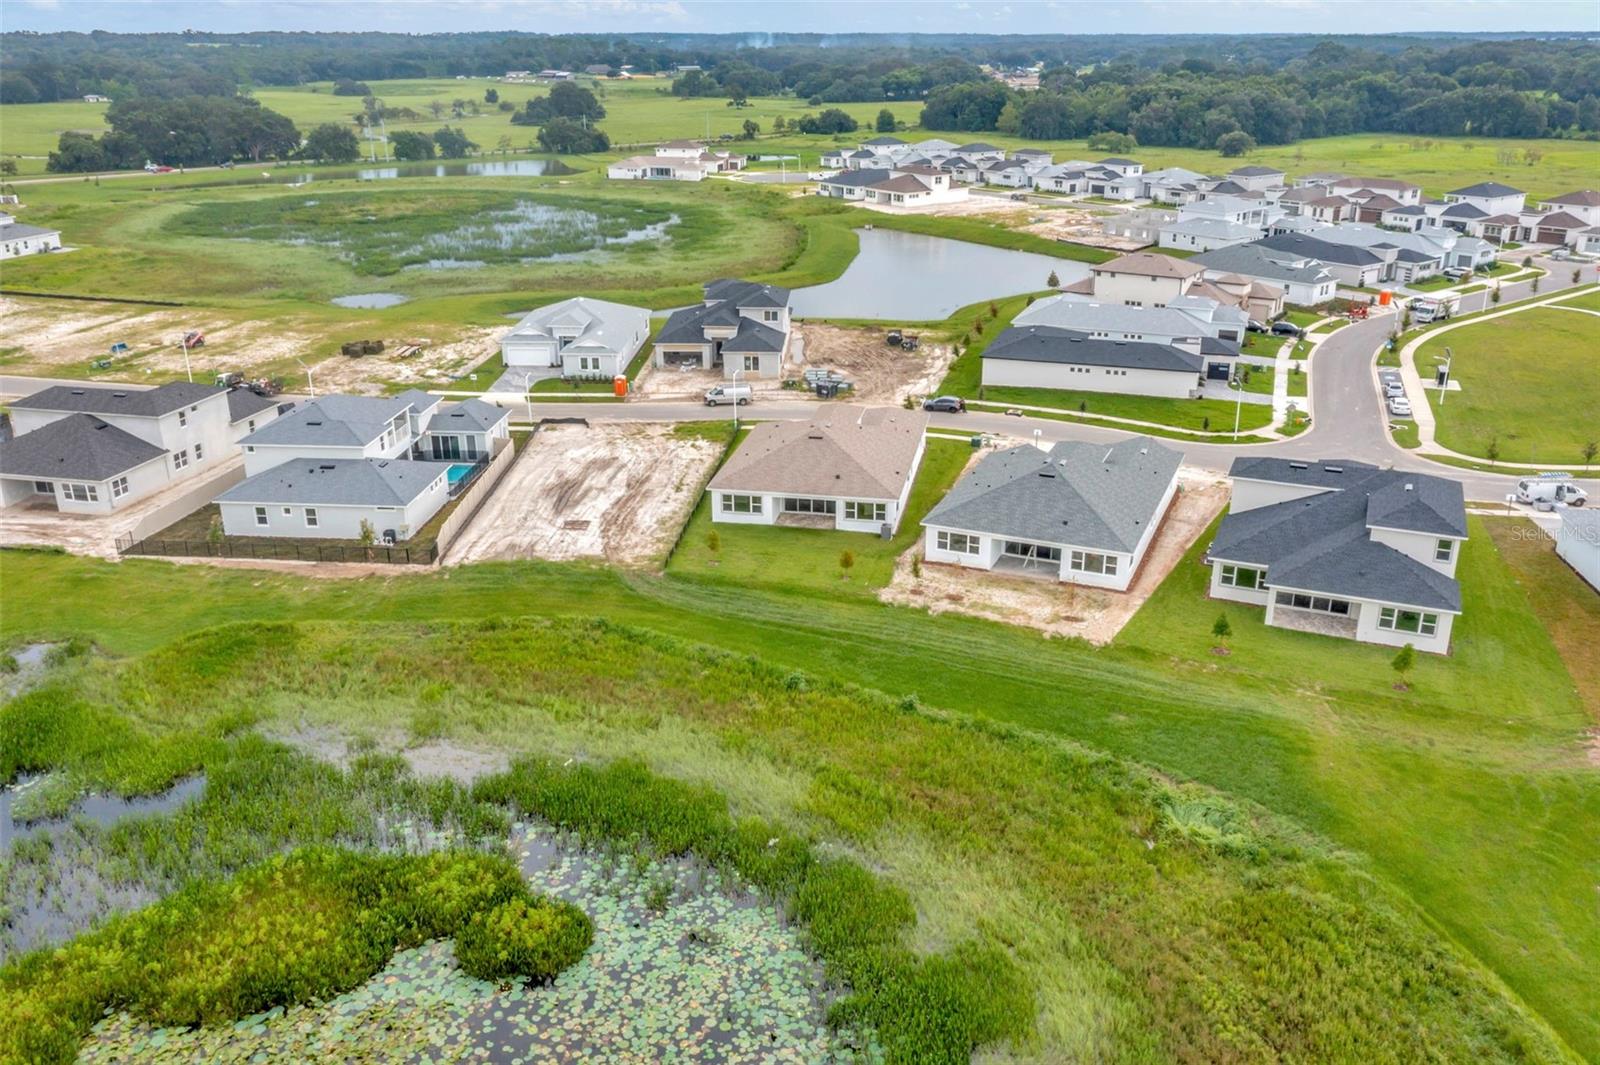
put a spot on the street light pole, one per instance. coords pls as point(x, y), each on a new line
point(736, 374)
point(184, 344)
point(1449, 357)
point(527, 394)
point(1238, 404)
point(311, 389)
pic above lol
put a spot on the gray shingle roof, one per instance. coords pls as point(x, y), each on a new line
point(725, 296)
point(336, 421)
point(1322, 543)
point(746, 293)
point(1043, 343)
point(468, 416)
point(858, 178)
point(1253, 260)
point(866, 453)
point(1324, 250)
point(338, 482)
point(78, 447)
point(242, 403)
point(1486, 188)
point(755, 338)
point(1077, 494)
point(21, 231)
point(1255, 171)
point(129, 402)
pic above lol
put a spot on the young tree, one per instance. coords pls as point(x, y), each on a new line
point(491, 96)
point(1589, 451)
point(1577, 274)
point(714, 541)
point(436, 108)
point(779, 124)
point(1052, 281)
point(885, 122)
point(1534, 286)
point(847, 559)
point(333, 143)
point(1234, 144)
point(1402, 664)
point(1221, 630)
point(1491, 450)
point(751, 128)
point(1494, 294)
point(409, 145)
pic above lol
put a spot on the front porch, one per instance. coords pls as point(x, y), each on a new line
point(1314, 621)
point(1038, 569)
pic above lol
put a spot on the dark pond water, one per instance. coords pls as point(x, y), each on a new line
point(103, 810)
point(914, 278)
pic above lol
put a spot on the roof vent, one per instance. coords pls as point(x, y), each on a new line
point(1048, 473)
point(77, 391)
point(1334, 469)
point(313, 423)
point(119, 395)
point(1410, 487)
point(1297, 465)
point(325, 466)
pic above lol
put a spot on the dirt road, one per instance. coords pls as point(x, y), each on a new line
point(614, 491)
point(1051, 606)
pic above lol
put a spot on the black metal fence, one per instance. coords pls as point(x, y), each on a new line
point(286, 550)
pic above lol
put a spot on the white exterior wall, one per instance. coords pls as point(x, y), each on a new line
point(1196, 242)
point(1419, 546)
point(1579, 552)
point(1146, 291)
point(142, 481)
point(768, 365)
point(250, 423)
point(39, 242)
point(1249, 494)
point(1170, 383)
point(335, 522)
point(610, 363)
point(261, 457)
point(1492, 205)
point(1251, 596)
point(1367, 630)
point(772, 509)
point(991, 549)
point(528, 352)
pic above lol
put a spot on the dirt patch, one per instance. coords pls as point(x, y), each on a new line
point(615, 490)
point(672, 382)
point(1069, 222)
point(63, 338)
point(1051, 606)
point(881, 373)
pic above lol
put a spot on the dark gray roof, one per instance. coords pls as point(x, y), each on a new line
point(1464, 210)
point(77, 447)
point(468, 416)
point(1486, 188)
point(1117, 160)
point(857, 178)
point(1254, 260)
point(1228, 186)
point(977, 146)
point(1409, 209)
point(338, 421)
point(1076, 494)
point(338, 482)
point(1043, 343)
point(1325, 250)
point(754, 337)
point(242, 403)
point(21, 230)
point(746, 293)
point(110, 399)
point(725, 296)
point(884, 141)
point(1255, 171)
point(1322, 543)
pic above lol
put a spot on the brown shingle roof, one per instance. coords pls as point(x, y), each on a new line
point(1149, 264)
point(863, 452)
point(1581, 198)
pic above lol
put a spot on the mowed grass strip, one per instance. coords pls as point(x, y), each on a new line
point(1528, 383)
point(1154, 922)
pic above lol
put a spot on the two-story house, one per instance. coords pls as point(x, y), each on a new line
point(740, 327)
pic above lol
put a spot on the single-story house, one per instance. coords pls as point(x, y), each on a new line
point(741, 326)
point(1080, 512)
point(1042, 356)
point(1152, 182)
point(1192, 323)
point(331, 498)
point(18, 239)
point(93, 449)
point(848, 468)
point(675, 161)
point(466, 431)
point(583, 337)
point(1305, 281)
point(342, 427)
point(1203, 234)
point(1343, 549)
point(1578, 543)
point(1353, 265)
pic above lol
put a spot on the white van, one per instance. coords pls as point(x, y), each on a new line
point(739, 394)
point(1558, 489)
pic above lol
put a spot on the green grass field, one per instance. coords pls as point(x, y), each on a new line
point(1204, 415)
point(1527, 380)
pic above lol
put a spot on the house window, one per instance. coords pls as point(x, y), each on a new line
point(311, 517)
point(957, 543)
point(589, 363)
point(1320, 603)
point(801, 505)
point(250, 449)
point(752, 364)
point(1444, 550)
point(199, 452)
point(1023, 549)
point(288, 511)
point(1243, 577)
point(737, 504)
point(261, 515)
point(855, 510)
point(769, 316)
point(1396, 619)
point(183, 418)
point(81, 493)
point(119, 487)
point(180, 459)
point(1090, 562)
point(250, 427)
point(44, 488)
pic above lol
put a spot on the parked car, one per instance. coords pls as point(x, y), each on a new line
point(1394, 388)
point(737, 394)
point(1255, 326)
point(1551, 489)
point(1399, 406)
point(1286, 329)
point(1458, 273)
point(946, 404)
point(1561, 255)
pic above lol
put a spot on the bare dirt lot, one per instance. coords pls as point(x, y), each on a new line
point(1053, 607)
point(616, 491)
point(1071, 222)
point(52, 338)
point(881, 373)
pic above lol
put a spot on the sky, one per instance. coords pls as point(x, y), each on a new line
point(754, 16)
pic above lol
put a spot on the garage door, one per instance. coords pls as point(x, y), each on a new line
point(1217, 371)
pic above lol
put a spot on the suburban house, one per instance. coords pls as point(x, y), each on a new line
point(1403, 192)
point(465, 431)
point(741, 326)
point(1042, 356)
point(1587, 242)
point(1343, 549)
point(1209, 296)
point(1256, 178)
point(1415, 255)
point(331, 498)
point(95, 449)
point(1578, 543)
point(1142, 279)
point(18, 239)
point(1082, 513)
point(1241, 210)
point(848, 468)
point(1490, 197)
point(1351, 264)
point(1203, 234)
point(903, 185)
point(676, 161)
point(248, 412)
point(342, 427)
point(1192, 323)
point(581, 337)
point(1303, 280)
point(1173, 184)
point(981, 151)
point(1141, 226)
point(1585, 204)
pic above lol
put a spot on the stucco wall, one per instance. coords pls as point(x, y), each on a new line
point(1014, 372)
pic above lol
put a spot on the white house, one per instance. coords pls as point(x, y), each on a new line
point(1173, 184)
point(331, 498)
point(464, 432)
point(18, 239)
point(1142, 279)
point(1142, 226)
point(1403, 192)
point(741, 327)
point(1194, 324)
point(341, 427)
point(849, 468)
point(1578, 543)
point(1304, 281)
point(656, 168)
point(1082, 513)
point(1490, 197)
point(1343, 549)
point(248, 412)
point(582, 337)
point(1203, 234)
point(1584, 204)
point(95, 449)
point(1256, 178)
point(1352, 264)
point(1042, 356)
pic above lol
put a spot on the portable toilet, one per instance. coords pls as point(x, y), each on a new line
point(619, 385)
point(1385, 297)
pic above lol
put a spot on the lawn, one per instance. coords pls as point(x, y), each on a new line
point(1589, 301)
point(796, 559)
point(1568, 607)
point(1528, 382)
point(1265, 345)
point(1261, 379)
point(1328, 327)
point(1203, 415)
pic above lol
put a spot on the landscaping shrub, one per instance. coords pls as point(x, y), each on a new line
point(536, 939)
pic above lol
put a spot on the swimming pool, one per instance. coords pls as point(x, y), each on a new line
point(457, 471)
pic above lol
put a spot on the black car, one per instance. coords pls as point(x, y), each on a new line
point(1254, 326)
point(945, 404)
point(1286, 329)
